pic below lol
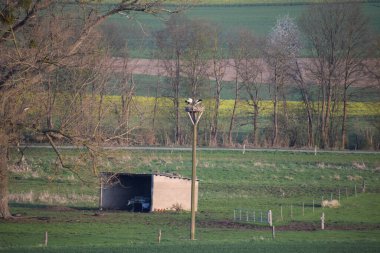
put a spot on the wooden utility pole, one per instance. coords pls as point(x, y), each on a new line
point(193, 179)
point(195, 111)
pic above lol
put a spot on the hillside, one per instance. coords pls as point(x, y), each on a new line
point(259, 19)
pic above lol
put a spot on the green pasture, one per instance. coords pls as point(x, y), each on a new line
point(258, 19)
point(147, 85)
point(250, 180)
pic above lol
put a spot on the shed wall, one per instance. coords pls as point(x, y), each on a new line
point(168, 192)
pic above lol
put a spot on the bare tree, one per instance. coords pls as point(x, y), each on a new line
point(196, 57)
point(218, 70)
point(305, 88)
point(237, 55)
point(280, 53)
point(37, 39)
point(125, 86)
point(249, 66)
point(172, 42)
point(354, 56)
point(339, 39)
point(184, 47)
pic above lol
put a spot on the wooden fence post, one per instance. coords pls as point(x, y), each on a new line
point(159, 236)
point(273, 232)
point(303, 208)
point(323, 221)
point(270, 220)
point(291, 211)
point(313, 205)
point(46, 239)
point(282, 217)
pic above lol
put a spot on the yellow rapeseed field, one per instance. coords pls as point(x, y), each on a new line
point(266, 107)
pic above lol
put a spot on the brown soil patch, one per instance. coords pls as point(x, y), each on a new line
point(154, 67)
point(293, 226)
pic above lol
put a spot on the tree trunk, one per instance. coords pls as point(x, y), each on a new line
point(155, 108)
point(125, 114)
point(176, 100)
point(344, 119)
point(50, 105)
point(310, 142)
point(255, 120)
point(4, 208)
point(214, 127)
point(298, 77)
point(309, 112)
point(219, 67)
point(282, 91)
point(232, 122)
point(345, 98)
point(322, 123)
point(275, 121)
point(275, 115)
point(327, 116)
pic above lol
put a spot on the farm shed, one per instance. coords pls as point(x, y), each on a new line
point(145, 192)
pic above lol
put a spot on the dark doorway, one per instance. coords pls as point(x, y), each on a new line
point(123, 191)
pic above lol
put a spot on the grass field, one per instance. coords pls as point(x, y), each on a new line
point(256, 180)
point(257, 18)
point(64, 203)
point(146, 85)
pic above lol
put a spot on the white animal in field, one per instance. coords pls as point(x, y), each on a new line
point(193, 102)
point(330, 203)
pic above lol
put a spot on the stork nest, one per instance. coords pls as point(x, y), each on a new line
point(194, 108)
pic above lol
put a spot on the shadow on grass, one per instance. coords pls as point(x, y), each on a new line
point(52, 207)
point(28, 205)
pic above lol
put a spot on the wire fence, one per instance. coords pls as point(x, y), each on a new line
point(255, 216)
point(297, 209)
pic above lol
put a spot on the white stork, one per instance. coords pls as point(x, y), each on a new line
point(189, 101)
point(197, 102)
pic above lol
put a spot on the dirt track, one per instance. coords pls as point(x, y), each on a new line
point(204, 223)
point(154, 67)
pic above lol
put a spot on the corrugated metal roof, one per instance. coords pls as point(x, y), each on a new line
point(170, 175)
